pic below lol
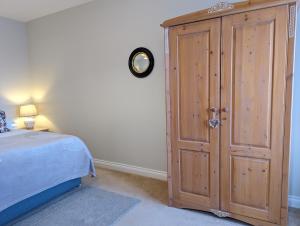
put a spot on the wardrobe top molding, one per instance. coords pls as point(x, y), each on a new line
point(229, 9)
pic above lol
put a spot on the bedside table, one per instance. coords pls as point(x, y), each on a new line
point(41, 129)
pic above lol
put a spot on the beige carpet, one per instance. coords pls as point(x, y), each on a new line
point(153, 209)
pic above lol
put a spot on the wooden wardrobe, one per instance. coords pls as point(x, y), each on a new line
point(229, 73)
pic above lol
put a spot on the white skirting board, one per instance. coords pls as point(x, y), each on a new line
point(160, 175)
point(294, 201)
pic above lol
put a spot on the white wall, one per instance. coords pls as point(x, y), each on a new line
point(79, 68)
point(14, 84)
point(295, 156)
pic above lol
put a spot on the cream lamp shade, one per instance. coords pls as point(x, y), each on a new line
point(28, 110)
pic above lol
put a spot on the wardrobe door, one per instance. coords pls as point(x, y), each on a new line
point(253, 101)
point(195, 99)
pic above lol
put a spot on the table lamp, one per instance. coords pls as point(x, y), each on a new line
point(28, 112)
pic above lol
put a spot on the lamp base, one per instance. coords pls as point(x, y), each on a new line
point(29, 123)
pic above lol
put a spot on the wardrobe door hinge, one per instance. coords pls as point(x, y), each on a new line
point(292, 21)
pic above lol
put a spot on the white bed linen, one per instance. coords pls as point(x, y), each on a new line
point(31, 162)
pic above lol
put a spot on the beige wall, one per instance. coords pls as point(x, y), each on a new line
point(79, 69)
point(14, 84)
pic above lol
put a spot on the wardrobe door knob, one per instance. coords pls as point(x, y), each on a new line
point(226, 109)
point(214, 122)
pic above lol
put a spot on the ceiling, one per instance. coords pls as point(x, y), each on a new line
point(26, 10)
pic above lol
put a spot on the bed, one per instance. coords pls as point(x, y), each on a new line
point(36, 167)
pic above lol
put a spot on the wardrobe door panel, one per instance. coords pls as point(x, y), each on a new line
point(254, 64)
point(194, 90)
point(253, 53)
point(247, 173)
point(194, 172)
point(193, 86)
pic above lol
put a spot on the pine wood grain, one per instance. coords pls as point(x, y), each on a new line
point(194, 88)
point(240, 63)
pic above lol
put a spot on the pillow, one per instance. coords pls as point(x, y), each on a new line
point(3, 125)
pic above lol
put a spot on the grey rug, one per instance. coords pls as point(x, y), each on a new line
point(86, 206)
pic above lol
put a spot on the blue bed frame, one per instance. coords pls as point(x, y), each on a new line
point(35, 201)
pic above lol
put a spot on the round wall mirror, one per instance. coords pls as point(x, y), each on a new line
point(141, 62)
